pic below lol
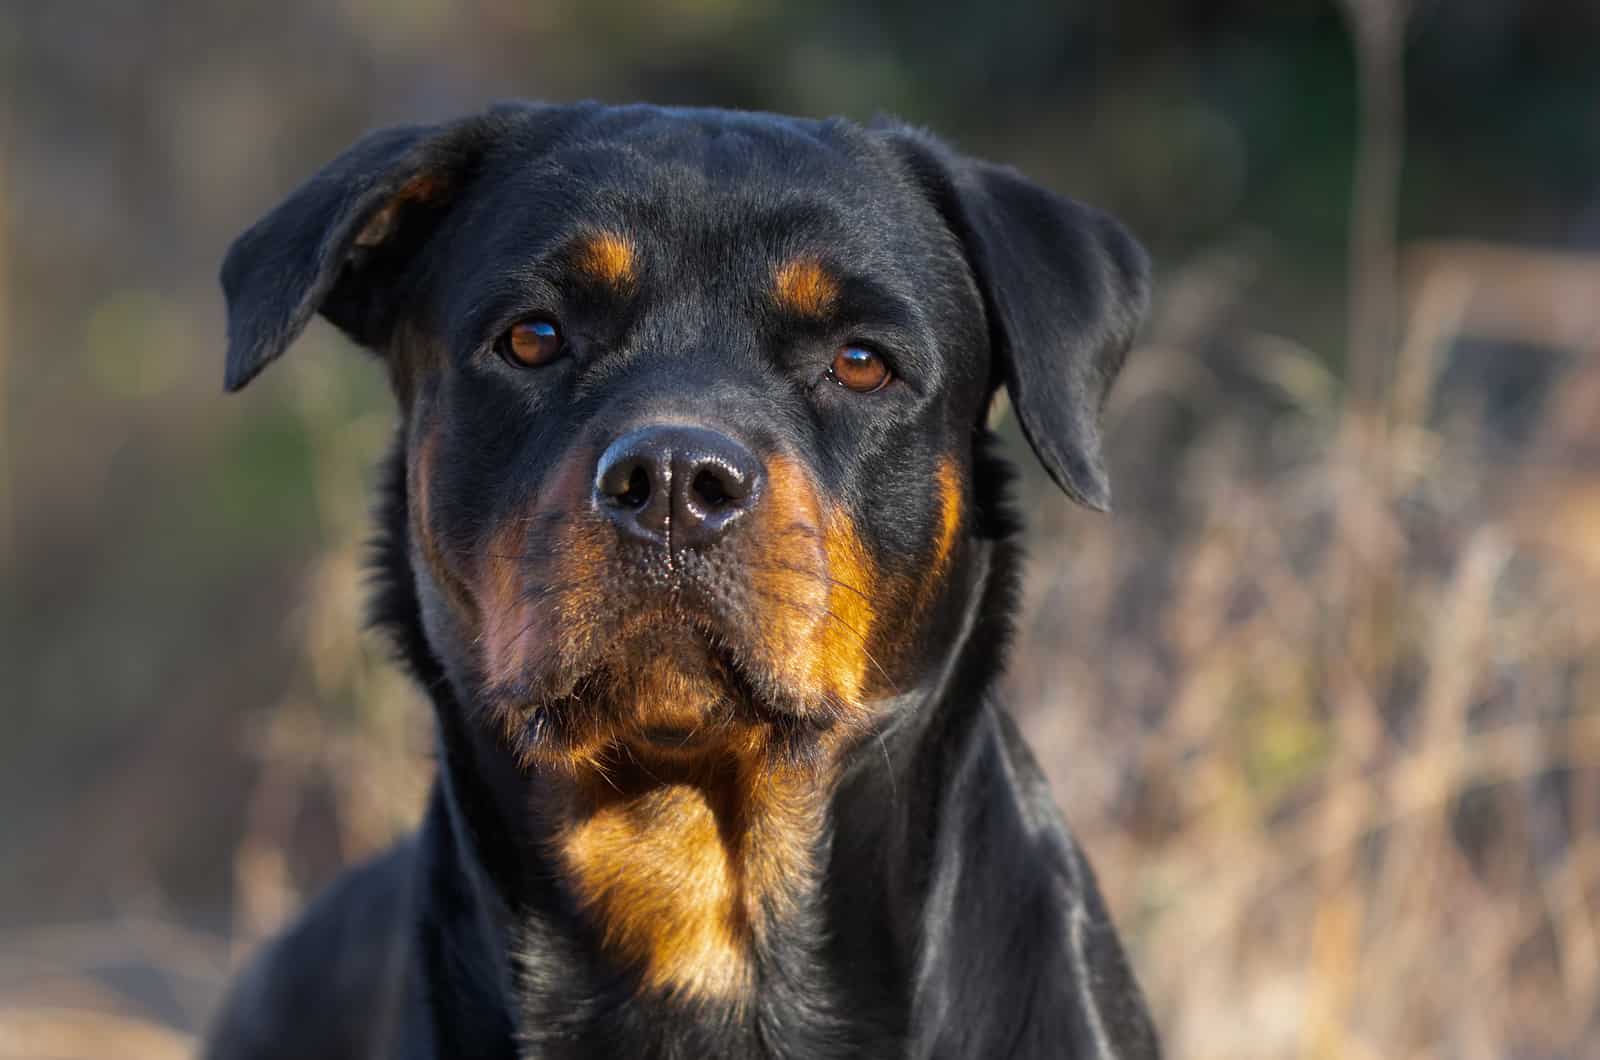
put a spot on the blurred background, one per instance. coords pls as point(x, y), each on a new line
point(1322, 697)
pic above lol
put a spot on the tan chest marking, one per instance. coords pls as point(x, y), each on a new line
point(682, 877)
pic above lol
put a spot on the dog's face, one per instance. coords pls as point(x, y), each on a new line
point(690, 417)
point(690, 400)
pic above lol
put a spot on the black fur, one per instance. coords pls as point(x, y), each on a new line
point(952, 915)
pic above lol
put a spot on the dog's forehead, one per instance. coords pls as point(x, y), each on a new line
point(709, 150)
point(703, 208)
point(688, 177)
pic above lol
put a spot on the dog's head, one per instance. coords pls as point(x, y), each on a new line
point(691, 397)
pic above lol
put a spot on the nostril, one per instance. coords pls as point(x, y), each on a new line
point(710, 488)
point(637, 491)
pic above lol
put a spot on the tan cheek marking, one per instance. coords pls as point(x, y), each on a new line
point(843, 655)
point(655, 873)
point(512, 629)
point(574, 575)
point(791, 577)
point(805, 288)
point(818, 592)
point(949, 513)
point(520, 631)
point(608, 258)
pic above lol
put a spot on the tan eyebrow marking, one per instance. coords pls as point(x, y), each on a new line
point(607, 257)
point(803, 286)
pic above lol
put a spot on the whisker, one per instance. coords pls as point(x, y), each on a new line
point(533, 592)
point(597, 763)
point(888, 766)
point(530, 598)
point(812, 574)
point(802, 529)
point(627, 749)
point(826, 612)
point(550, 517)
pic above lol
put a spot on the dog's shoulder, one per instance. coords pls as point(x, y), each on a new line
point(1019, 947)
point(346, 954)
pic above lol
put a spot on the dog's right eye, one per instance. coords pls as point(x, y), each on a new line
point(531, 343)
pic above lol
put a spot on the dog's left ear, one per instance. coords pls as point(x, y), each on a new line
point(1065, 288)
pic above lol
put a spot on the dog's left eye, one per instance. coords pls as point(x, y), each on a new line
point(860, 369)
point(531, 343)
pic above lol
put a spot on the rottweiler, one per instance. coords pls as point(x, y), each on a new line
point(697, 537)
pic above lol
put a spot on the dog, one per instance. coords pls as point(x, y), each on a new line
point(696, 535)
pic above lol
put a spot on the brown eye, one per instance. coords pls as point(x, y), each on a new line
point(859, 369)
point(531, 343)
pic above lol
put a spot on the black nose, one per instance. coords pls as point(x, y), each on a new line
point(682, 487)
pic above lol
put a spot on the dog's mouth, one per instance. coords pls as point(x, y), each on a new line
point(667, 677)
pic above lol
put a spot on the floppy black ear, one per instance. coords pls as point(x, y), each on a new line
point(305, 254)
point(1065, 288)
point(342, 241)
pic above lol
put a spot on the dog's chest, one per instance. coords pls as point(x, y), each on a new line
point(571, 1005)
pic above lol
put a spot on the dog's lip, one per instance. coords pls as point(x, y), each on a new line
point(753, 688)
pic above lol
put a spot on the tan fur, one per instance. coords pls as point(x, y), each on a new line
point(683, 860)
point(654, 871)
point(513, 628)
point(607, 258)
point(949, 513)
point(842, 656)
point(804, 287)
point(819, 592)
point(519, 632)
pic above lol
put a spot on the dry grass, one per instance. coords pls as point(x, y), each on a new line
point(1330, 722)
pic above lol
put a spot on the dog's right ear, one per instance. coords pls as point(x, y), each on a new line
point(340, 243)
point(312, 251)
